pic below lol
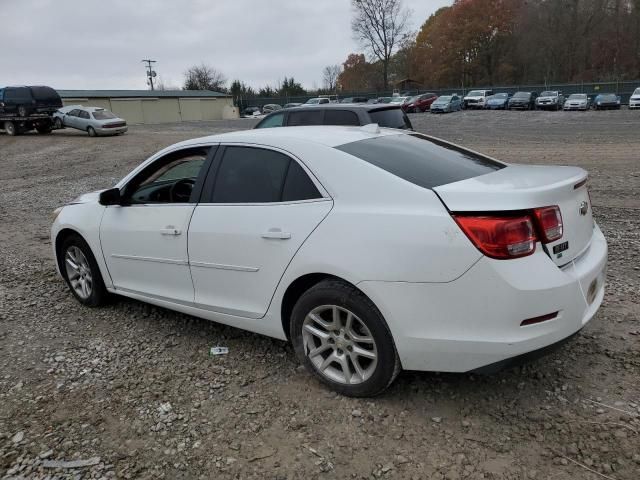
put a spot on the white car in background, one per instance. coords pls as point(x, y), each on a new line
point(371, 250)
point(476, 98)
point(93, 120)
point(317, 101)
point(634, 100)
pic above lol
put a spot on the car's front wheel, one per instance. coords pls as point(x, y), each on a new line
point(81, 272)
point(341, 337)
point(58, 122)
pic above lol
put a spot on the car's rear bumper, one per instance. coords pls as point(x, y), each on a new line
point(475, 321)
point(111, 131)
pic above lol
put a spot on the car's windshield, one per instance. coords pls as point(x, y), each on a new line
point(384, 99)
point(443, 99)
point(608, 96)
point(548, 94)
point(103, 115)
point(578, 96)
point(636, 91)
point(522, 95)
point(313, 101)
point(475, 93)
point(413, 99)
point(398, 100)
point(500, 96)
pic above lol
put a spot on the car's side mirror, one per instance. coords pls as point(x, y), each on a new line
point(110, 197)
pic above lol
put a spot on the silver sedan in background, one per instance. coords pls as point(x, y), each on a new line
point(93, 120)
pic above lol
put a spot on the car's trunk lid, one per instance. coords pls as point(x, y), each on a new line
point(522, 187)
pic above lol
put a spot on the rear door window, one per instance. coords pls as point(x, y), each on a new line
point(298, 185)
point(423, 161)
point(391, 118)
point(250, 175)
point(340, 117)
point(305, 117)
point(83, 114)
point(271, 121)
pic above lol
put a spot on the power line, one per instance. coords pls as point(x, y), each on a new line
point(150, 72)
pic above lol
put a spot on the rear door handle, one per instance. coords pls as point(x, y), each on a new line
point(170, 231)
point(276, 233)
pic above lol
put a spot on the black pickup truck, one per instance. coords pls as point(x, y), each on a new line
point(26, 108)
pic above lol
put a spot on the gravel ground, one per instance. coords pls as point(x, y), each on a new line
point(129, 391)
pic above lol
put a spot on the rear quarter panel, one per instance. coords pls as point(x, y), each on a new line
point(381, 227)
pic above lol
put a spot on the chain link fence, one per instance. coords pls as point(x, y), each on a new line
point(622, 88)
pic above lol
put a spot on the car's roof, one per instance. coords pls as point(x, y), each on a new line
point(347, 106)
point(82, 107)
point(327, 135)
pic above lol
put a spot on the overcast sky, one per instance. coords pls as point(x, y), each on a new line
point(80, 44)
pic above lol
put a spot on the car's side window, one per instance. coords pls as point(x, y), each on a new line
point(73, 113)
point(21, 94)
point(84, 114)
point(170, 179)
point(258, 175)
point(298, 185)
point(340, 117)
point(275, 120)
point(305, 117)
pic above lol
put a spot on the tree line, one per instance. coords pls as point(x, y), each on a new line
point(471, 43)
point(493, 42)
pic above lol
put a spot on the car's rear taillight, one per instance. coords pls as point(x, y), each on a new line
point(500, 237)
point(550, 223)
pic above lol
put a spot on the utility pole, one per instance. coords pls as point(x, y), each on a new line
point(151, 74)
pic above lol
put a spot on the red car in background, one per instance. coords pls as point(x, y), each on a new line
point(419, 103)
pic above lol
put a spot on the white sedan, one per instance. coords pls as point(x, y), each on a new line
point(371, 250)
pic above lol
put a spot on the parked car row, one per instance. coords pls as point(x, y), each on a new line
point(547, 100)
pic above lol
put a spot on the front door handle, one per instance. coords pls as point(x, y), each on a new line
point(276, 233)
point(170, 231)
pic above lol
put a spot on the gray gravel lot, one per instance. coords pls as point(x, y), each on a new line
point(130, 391)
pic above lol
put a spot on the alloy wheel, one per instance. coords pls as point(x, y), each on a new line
point(78, 272)
point(339, 345)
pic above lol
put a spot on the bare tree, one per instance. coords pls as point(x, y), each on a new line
point(379, 25)
point(330, 75)
point(204, 77)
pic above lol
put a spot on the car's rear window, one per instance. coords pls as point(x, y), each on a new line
point(103, 115)
point(424, 161)
point(391, 118)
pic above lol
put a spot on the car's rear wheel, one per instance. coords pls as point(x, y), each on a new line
point(92, 132)
point(11, 128)
point(43, 129)
point(341, 337)
point(81, 272)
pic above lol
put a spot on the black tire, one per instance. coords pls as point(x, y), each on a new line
point(99, 294)
point(92, 132)
point(343, 295)
point(58, 123)
point(43, 129)
point(11, 128)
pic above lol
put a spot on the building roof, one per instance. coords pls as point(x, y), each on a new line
point(138, 93)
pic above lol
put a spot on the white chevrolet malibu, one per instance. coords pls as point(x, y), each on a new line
point(371, 250)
